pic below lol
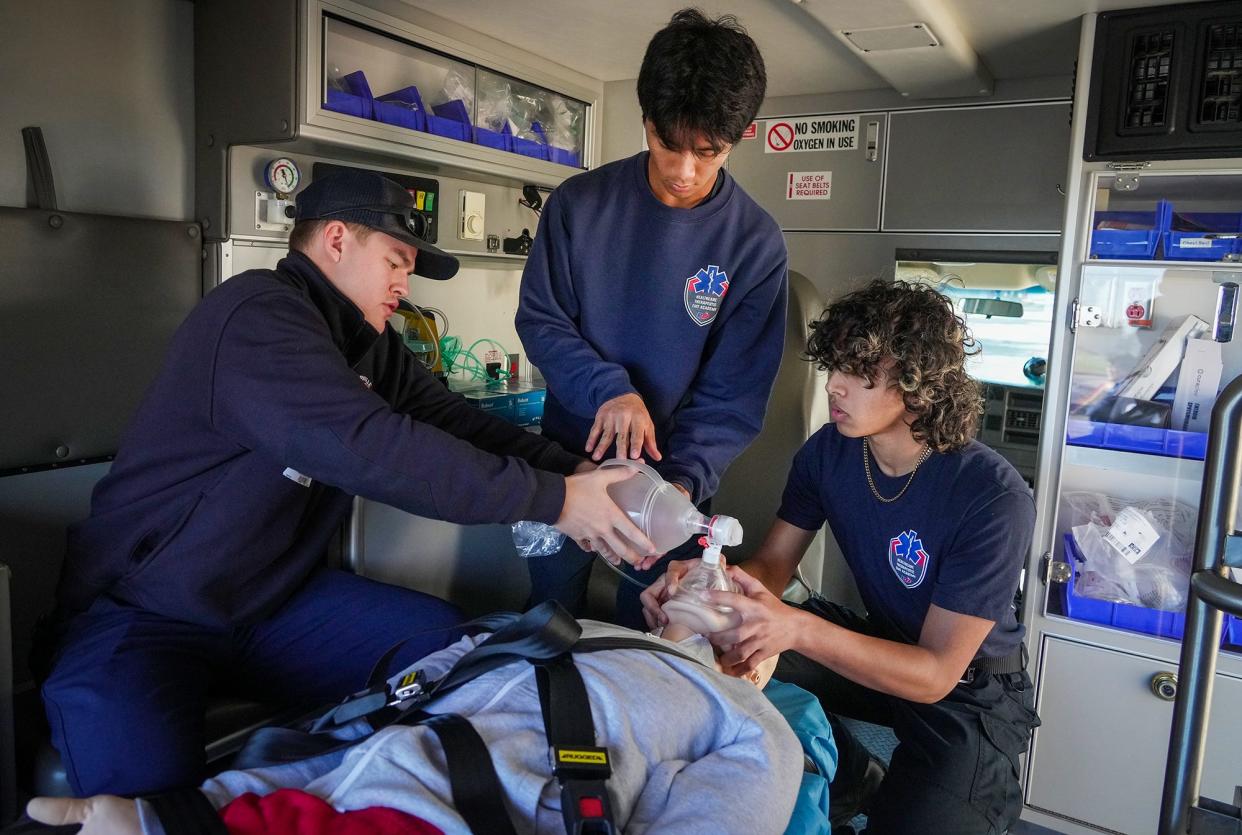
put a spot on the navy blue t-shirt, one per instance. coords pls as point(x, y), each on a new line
point(957, 538)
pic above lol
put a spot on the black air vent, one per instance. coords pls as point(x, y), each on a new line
point(1151, 63)
point(1220, 100)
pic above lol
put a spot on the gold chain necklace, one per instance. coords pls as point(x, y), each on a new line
point(923, 456)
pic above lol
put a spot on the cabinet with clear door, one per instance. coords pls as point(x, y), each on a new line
point(1153, 342)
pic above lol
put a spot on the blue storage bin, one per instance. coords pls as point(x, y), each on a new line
point(402, 107)
point(1120, 615)
point(1233, 631)
point(554, 154)
point(450, 119)
point(355, 100)
point(1130, 244)
point(563, 157)
point(1184, 245)
point(1124, 616)
point(500, 140)
point(529, 148)
point(1170, 442)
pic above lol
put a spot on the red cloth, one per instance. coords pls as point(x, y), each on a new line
point(294, 812)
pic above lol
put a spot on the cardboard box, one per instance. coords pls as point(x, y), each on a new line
point(1163, 358)
point(1197, 385)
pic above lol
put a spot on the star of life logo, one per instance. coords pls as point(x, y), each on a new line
point(908, 559)
point(705, 290)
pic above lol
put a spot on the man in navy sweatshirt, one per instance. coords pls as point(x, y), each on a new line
point(653, 301)
point(283, 395)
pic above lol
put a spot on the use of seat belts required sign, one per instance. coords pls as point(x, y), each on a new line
point(811, 133)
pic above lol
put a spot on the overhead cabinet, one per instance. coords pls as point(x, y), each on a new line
point(977, 169)
point(370, 85)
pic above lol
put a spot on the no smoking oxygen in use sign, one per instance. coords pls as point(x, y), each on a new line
point(811, 133)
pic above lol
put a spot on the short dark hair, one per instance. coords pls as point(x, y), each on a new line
point(701, 77)
point(304, 231)
point(916, 327)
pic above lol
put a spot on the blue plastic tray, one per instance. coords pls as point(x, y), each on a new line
point(402, 107)
point(554, 154)
point(356, 100)
point(450, 119)
point(500, 140)
point(1120, 615)
point(1130, 244)
point(1168, 442)
point(1180, 245)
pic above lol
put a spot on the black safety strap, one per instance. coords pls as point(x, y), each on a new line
point(187, 812)
point(581, 767)
point(544, 632)
point(40, 188)
point(477, 793)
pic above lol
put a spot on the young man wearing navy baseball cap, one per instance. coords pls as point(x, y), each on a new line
point(283, 395)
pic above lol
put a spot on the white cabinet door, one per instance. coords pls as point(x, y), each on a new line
point(1099, 756)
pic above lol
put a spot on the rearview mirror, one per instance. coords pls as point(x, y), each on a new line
point(992, 307)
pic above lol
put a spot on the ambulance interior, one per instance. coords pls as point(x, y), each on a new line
point(949, 143)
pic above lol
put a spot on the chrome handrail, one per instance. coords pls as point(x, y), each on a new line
point(1210, 592)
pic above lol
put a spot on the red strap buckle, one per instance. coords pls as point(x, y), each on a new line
point(590, 807)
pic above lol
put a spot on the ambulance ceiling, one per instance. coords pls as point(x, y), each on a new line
point(804, 42)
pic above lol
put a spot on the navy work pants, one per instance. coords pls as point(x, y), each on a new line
point(128, 691)
point(955, 768)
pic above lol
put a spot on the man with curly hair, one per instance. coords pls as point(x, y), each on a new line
point(935, 527)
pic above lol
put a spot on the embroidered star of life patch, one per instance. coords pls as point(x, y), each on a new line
point(907, 558)
point(704, 292)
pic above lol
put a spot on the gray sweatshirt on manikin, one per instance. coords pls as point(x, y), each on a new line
point(692, 750)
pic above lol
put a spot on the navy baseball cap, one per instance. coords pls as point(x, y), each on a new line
point(371, 200)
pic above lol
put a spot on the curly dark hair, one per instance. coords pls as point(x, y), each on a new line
point(916, 327)
point(701, 77)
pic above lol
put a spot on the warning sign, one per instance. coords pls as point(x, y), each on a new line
point(809, 185)
point(752, 130)
point(812, 133)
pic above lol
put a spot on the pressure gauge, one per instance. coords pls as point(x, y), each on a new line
point(282, 175)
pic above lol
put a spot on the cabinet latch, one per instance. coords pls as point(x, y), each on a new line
point(1055, 571)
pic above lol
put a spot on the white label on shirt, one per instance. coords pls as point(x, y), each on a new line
point(1131, 535)
point(294, 475)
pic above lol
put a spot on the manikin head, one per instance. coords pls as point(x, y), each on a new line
point(681, 634)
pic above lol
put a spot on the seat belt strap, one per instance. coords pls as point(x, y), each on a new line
point(581, 767)
point(187, 812)
point(477, 793)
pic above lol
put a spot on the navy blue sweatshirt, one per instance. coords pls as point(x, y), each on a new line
point(685, 307)
point(275, 380)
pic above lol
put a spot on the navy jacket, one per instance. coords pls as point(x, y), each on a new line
point(276, 404)
point(686, 307)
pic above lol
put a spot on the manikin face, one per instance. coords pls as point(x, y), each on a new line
point(697, 644)
point(859, 410)
point(682, 178)
point(372, 273)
